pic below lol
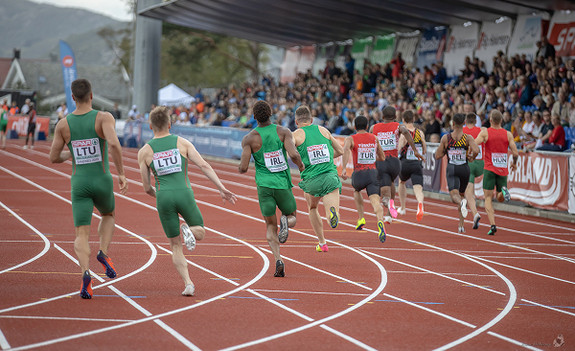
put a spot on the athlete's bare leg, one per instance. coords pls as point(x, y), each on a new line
point(456, 199)
point(418, 191)
point(489, 206)
point(198, 231)
point(377, 208)
point(470, 196)
point(272, 235)
point(314, 217)
point(402, 190)
point(358, 199)
point(331, 200)
point(179, 259)
point(82, 247)
point(105, 231)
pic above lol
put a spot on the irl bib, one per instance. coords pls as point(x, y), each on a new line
point(275, 161)
point(167, 162)
point(86, 151)
point(318, 154)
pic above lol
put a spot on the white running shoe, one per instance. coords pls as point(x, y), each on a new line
point(463, 206)
point(461, 230)
point(284, 229)
point(189, 290)
point(189, 238)
point(387, 219)
point(25, 147)
point(401, 211)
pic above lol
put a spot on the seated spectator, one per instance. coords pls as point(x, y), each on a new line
point(556, 141)
point(507, 121)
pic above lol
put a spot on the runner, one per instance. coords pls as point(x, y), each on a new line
point(459, 147)
point(366, 150)
point(411, 167)
point(167, 157)
point(268, 144)
point(497, 142)
point(88, 134)
point(3, 127)
point(475, 167)
point(387, 133)
point(317, 148)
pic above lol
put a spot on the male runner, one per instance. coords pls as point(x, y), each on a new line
point(456, 145)
point(31, 126)
point(497, 141)
point(317, 148)
point(387, 133)
point(268, 144)
point(167, 157)
point(88, 134)
point(366, 150)
point(411, 167)
point(3, 127)
point(475, 167)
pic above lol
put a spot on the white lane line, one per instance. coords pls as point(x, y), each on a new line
point(4, 344)
point(146, 265)
point(137, 306)
point(549, 307)
point(518, 343)
point(110, 320)
point(42, 236)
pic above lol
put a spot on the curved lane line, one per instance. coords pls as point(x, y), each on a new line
point(42, 236)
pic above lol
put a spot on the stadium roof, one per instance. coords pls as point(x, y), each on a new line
point(305, 22)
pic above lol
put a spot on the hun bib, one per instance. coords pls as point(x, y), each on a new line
point(499, 160)
point(318, 154)
point(167, 162)
point(275, 161)
point(86, 151)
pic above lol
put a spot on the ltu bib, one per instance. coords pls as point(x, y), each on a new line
point(86, 151)
point(167, 162)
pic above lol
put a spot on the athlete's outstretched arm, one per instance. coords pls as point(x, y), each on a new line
point(195, 157)
point(514, 151)
point(109, 131)
point(440, 152)
point(57, 155)
point(347, 146)
point(145, 170)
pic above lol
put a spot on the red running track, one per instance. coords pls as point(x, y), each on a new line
point(427, 287)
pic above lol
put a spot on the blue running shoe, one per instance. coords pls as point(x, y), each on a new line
point(86, 291)
point(333, 217)
point(107, 263)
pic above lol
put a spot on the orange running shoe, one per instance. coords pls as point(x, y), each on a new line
point(86, 291)
point(419, 215)
point(107, 263)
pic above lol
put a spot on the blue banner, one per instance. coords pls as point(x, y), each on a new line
point(68, 63)
point(431, 47)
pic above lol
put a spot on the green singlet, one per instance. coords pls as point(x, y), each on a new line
point(320, 175)
point(92, 183)
point(3, 120)
point(273, 176)
point(174, 194)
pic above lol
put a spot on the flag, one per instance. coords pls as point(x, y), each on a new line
point(68, 63)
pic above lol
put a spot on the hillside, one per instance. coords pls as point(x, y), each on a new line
point(37, 28)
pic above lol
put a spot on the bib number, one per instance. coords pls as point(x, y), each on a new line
point(275, 161)
point(366, 155)
point(480, 154)
point(318, 154)
point(86, 151)
point(411, 154)
point(457, 156)
point(167, 162)
point(499, 160)
point(387, 141)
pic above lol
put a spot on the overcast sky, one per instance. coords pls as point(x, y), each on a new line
point(117, 9)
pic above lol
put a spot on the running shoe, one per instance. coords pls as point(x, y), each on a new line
point(419, 215)
point(401, 211)
point(500, 197)
point(86, 291)
point(333, 217)
point(463, 208)
point(360, 224)
point(280, 272)
point(321, 248)
point(476, 219)
point(189, 290)
point(506, 194)
point(387, 219)
point(284, 229)
point(461, 230)
point(189, 238)
point(107, 263)
point(392, 210)
point(492, 231)
point(381, 228)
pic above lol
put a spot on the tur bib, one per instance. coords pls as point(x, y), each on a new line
point(366, 155)
point(387, 140)
point(318, 154)
point(167, 162)
point(275, 161)
point(86, 151)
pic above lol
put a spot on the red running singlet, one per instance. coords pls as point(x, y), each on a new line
point(364, 151)
point(474, 132)
point(388, 136)
point(496, 151)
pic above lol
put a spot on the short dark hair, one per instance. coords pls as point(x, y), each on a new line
point(303, 114)
point(458, 119)
point(496, 117)
point(360, 123)
point(388, 112)
point(81, 89)
point(262, 111)
point(471, 118)
point(159, 118)
point(407, 116)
